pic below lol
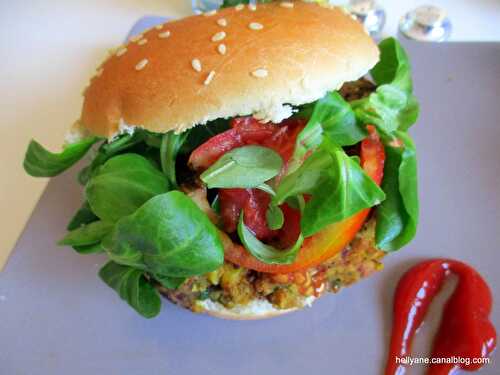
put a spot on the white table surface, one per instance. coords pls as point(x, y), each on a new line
point(49, 49)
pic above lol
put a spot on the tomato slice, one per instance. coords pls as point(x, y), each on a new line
point(253, 202)
point(373, 155)
point(247, 131)
point(331, 240)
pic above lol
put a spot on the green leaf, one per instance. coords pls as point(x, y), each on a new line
point(275, 218)
point(169, 235)
point(232, 3)
point(305, 179)
point(153, 139)
point(392, 106)
point(108, 150)
point(266, 188)
point(297, 202)
point(39, 162)
point(123, 184)
point(330, 116)
point(397, 216)
point(243, 167)
point(89, 249)
point(133, 287)
point(337, 183)
point(170, 282)
point(388, 108)
point(266, 253)
point(88, 234)
point(345, 190)
point(394, 66)
point(308, 140)
point(170, 146)
point(83, 216)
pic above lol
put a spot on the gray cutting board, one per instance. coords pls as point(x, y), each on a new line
point(56, 317)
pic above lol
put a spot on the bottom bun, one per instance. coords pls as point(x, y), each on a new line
point(256, 309)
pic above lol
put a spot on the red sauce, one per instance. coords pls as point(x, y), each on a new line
point(465, 329)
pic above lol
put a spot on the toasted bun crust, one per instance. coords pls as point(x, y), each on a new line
point(234, 62)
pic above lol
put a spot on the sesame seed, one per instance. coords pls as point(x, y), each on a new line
point(252, 7)
point(255, 26)
point(142, 64)
point(164, 35)
point(142, 42)
point(210, 13)
point(121, 51)
point(136, 38)
point(218, 36)
point(196, 64)
point(99, 72)
point(159, 27)
point(222, 49)
point(260, 73)
point(222, 22)
point(239, 7)
point(209, 78)
point(286, 4)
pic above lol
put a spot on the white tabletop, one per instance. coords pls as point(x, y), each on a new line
point(50, 48)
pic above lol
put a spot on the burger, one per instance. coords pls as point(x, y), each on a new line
point(245, 161)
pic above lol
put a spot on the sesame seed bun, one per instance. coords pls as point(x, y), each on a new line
point(234, 62)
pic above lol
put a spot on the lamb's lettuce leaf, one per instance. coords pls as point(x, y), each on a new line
point(266, 253)
point(243, 167)
point(171, 143)
point(133, 287)
point(83, 216)
point(107, 150)
point(392, 106)
point(168, 235)
point(123, 184)
point(39, 162)
point(88, 234)
point(397, 216)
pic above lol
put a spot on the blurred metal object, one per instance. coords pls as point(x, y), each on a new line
point(369, 13)
point(201, 6)
point(426, 23)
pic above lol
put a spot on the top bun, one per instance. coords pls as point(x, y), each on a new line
point(234, 62)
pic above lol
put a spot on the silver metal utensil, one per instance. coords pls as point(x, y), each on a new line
point(369, 13)
point(426, 23)
point(201, 6)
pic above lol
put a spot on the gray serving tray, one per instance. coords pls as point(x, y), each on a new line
point(57, 317)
